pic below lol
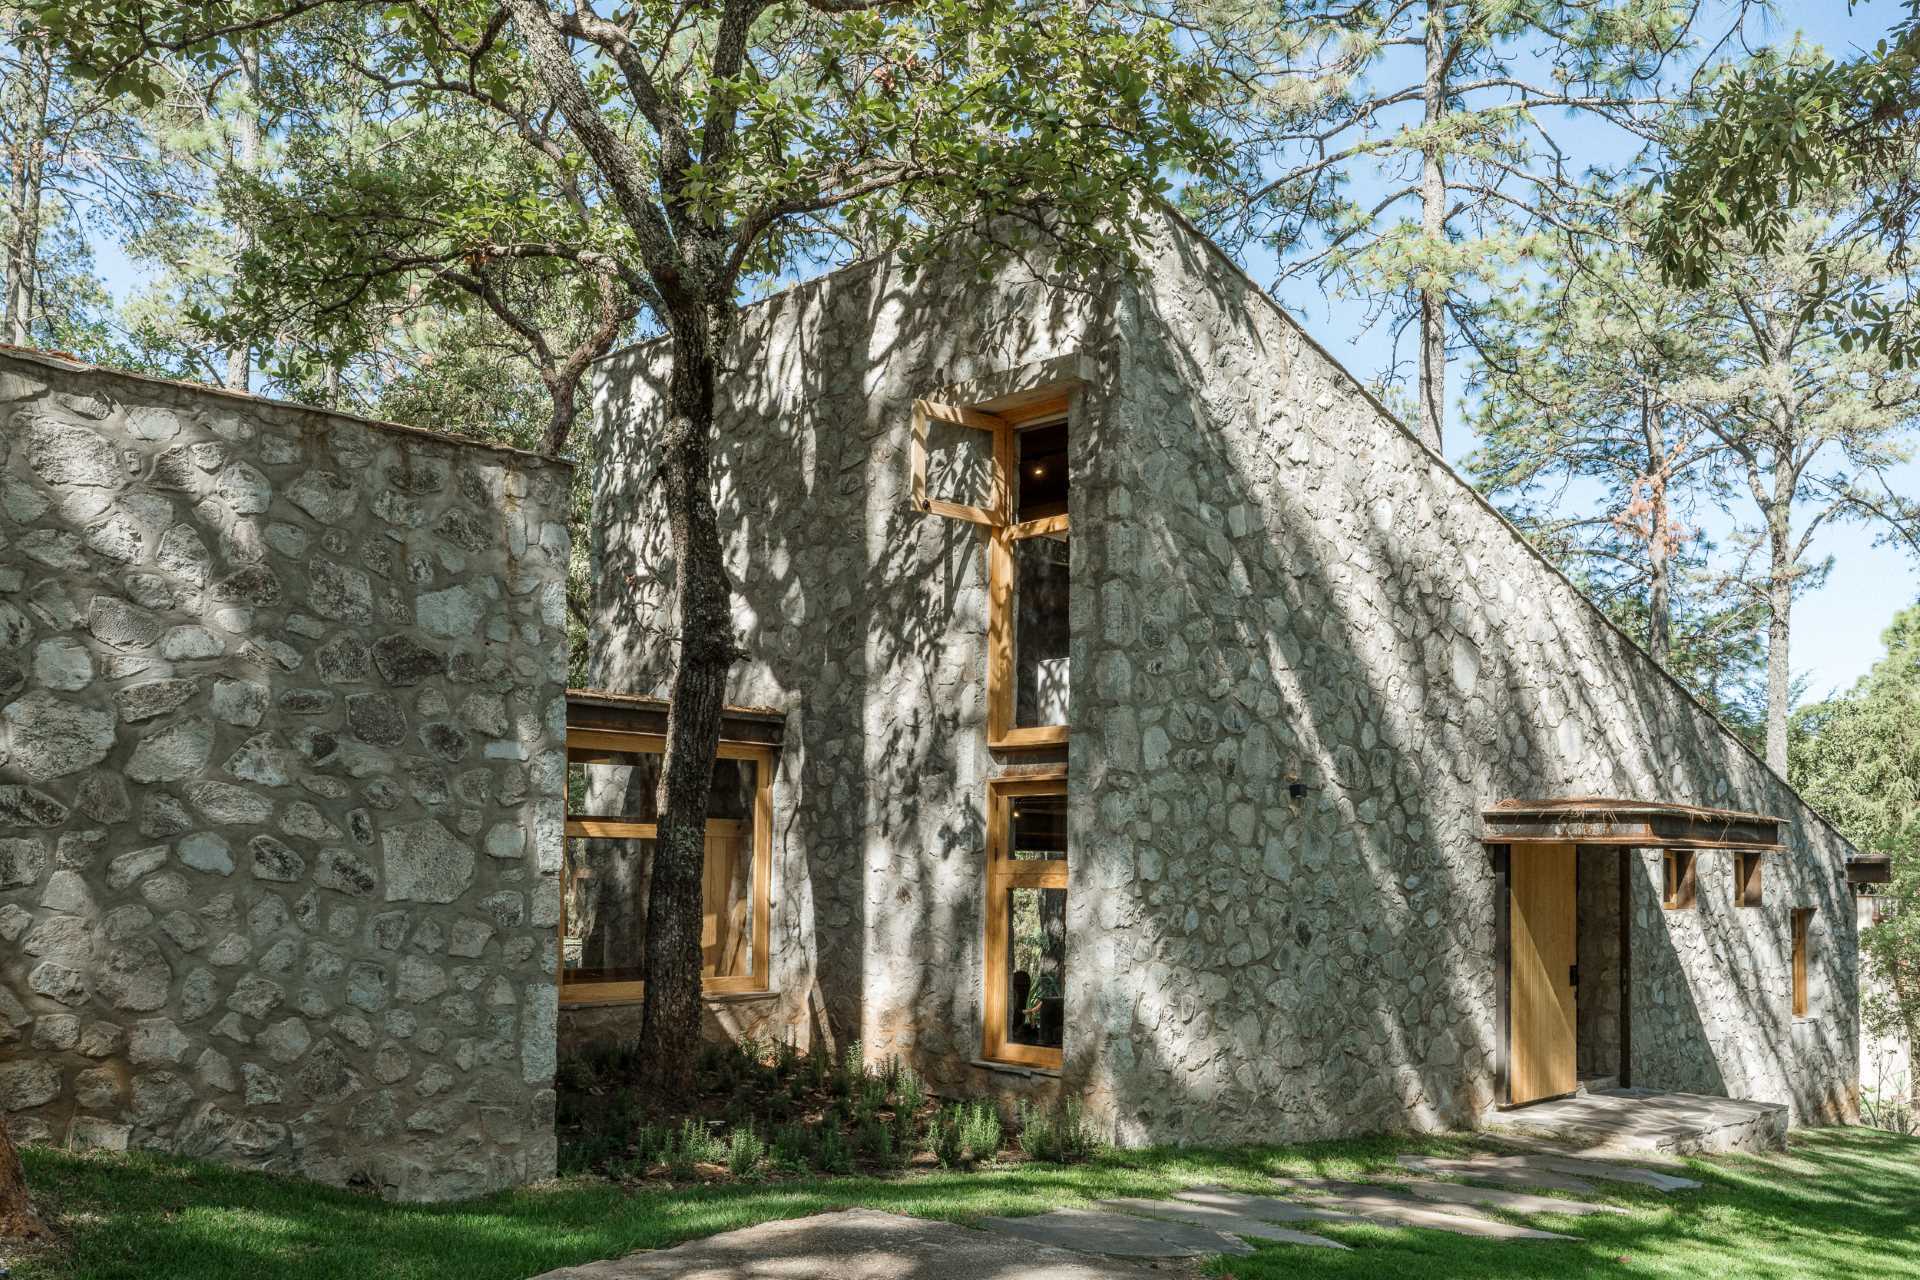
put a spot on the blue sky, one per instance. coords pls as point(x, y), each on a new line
point(1837, 626)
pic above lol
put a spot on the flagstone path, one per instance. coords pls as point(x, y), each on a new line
point(1120, 1238)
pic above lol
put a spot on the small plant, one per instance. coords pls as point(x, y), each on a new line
point(1061, 1135)
point(744, 1151)
point(873, 1093)
point(981, 1132)
point(833, 1154)
point(948, 1134)
point(852, 1071)
point(875, 1140)
point(908, 1092)
point(792, 1148)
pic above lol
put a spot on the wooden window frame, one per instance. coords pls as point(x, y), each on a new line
point(1749, 879)
point(762, 758)
point(1002, 532)
point(1004, 873)
point(1682, 880)
point(1802, 926)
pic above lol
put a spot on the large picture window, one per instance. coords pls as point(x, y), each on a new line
point(612, 824)
point(1022, 500)
point(1026, 927)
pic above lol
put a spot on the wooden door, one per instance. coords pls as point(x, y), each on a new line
point(1542, 955)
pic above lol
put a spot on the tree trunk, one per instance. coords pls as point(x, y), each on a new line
point(1433, 223)
point(1779, 630)
point(18, 1221)
point(240, 355)
point(26, 160)
point(670, 1016)
point(1659, 573)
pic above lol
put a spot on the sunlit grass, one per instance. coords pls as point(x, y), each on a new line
point(1845, 1203)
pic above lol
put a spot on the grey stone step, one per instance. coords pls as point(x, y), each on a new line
point(1219, 1220)
point(1378, 1207)
point(1120, 1235)
point(1505, 1171)
point(1498, 1198)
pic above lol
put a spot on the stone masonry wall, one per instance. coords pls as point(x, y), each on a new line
point(281, 723)
point(865, 621)
point(1272, 583)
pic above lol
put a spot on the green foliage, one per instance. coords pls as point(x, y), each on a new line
point(980, 1131)
point(1060, 1134)
point(833, 1154)
point(947, 1133)
point(745, 1150)
point(1785, 129)
point(1857, 759)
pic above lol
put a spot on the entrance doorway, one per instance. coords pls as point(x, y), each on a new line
point(1543, 954)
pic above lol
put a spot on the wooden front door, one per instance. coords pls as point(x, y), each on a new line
point(1542, 956)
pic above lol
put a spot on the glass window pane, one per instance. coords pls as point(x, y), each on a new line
point(1041, 486)
point(1036, 966)
point(606, 892)
point(1039, 828)
point(613, 784)
point(726, 901)
point(1040, 635)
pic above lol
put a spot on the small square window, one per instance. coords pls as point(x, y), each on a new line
point(1748, 879)
point(1680, 894)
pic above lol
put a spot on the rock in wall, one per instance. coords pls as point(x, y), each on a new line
point(282, 708)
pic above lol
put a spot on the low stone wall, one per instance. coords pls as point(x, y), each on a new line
point(282, 710)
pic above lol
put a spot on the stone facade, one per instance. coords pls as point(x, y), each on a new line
point(270, 681)
point(1305, 656)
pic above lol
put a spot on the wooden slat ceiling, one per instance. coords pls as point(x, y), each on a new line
point(1629, 824)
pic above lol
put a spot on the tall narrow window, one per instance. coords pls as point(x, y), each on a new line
point(1022, 500)
point(1679, 894)
point(1748, 882)
point(612, 826)
point(1026, 927)
point(1802, 919)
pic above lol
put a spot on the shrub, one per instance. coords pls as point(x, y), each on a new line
point(834, 1155)
point(1061, 1135)
point(792, 1148)
point(744, 1151)
point(981, 1132)
point(908, 1093)
point(947, 1133)
point(875, 1140)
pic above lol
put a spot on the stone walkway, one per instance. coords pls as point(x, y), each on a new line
point(1126, 1239)
point(1636, 1123)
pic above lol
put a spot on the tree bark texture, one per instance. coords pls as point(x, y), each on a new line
point(240, 355)
point(18, 1221)
point(1659, 585)
point(670, 1014)
point(1433, 225)
point(26, 103)
point(1779, 639)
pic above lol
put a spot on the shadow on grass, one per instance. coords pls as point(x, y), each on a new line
point(1845, 1203)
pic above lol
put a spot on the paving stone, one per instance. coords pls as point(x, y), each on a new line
point(1506, 1171)
point(1118, 1234)
point(1219, 1220)
point(1375, 1206)
point(1499, 1198)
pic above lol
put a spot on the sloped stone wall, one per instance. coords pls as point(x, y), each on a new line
point(1276, 583)
point(282, 711)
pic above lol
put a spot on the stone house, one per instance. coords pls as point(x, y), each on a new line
point(1135, 710)
point(282, 714)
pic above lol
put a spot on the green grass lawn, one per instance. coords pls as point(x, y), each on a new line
point(1844, 1204)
